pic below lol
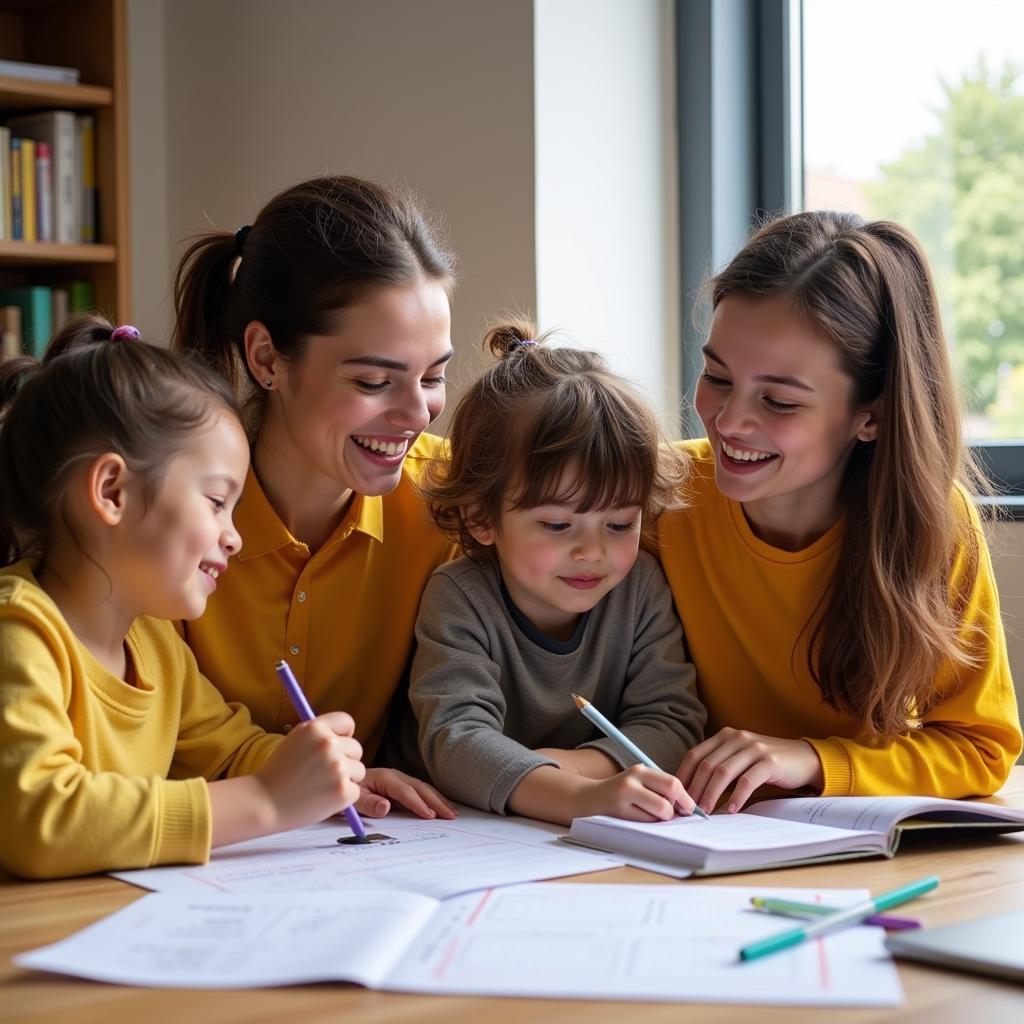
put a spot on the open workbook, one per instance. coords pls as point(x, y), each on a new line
point(568, 941)
point(801, 830)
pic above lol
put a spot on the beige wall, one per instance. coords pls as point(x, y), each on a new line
point(1007, 544)
point(259, 94)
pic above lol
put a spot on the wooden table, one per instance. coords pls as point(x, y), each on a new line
point(978, 878)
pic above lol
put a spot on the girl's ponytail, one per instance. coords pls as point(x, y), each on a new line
point(506, 337)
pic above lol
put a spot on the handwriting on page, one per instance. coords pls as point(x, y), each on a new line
point(438, 860)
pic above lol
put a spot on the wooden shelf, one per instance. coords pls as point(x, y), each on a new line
point(23, 93)
point(17, 253)
point(90, 35)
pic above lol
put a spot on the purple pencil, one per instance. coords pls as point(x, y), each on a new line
point(298, 698)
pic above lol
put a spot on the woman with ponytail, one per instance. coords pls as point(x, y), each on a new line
point(831, 572)
point(329, 318)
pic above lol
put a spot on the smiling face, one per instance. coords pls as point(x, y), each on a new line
point(778, 410)
point(181, 540)
point(346, 413)
point(558, 563)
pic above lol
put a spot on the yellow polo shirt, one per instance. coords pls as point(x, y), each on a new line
point(744, 606)
point(342, 617)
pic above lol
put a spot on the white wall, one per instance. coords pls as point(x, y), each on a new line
point(606, 211)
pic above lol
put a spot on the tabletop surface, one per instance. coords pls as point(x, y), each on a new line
point(980, 876)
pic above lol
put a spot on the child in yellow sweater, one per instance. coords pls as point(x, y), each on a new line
point(830, 569)
point(120, 465)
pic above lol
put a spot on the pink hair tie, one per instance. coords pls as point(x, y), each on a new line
point(125, 333)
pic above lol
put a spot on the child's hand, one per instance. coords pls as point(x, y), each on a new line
point(638, 794)
point(748, 760)
point(314, 772)
point(382, 785)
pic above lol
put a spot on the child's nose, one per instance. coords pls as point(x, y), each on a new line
point(590, 547)
point(231, 541)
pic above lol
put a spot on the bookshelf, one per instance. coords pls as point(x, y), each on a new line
point(89, 35)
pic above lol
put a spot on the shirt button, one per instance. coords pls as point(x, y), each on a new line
point(295, 648)
point(300, 596)
point(287, 727)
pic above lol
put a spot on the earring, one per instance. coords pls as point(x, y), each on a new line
point(268, 383)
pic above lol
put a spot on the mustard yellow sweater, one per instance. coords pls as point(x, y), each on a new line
point(96, 774)
point(744, 606)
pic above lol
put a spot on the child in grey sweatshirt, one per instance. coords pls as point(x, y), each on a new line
point(556, 466)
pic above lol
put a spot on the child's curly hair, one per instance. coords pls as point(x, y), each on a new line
point(542, 413)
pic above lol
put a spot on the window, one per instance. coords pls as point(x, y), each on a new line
point(912, 110)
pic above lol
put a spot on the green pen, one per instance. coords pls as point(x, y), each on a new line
point(812, 911)
point(846, 916)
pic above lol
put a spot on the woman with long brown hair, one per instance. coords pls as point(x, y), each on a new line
point(831, 572)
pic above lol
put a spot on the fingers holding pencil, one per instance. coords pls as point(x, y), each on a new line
point(682, 802)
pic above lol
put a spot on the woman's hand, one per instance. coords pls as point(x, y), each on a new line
point(382, 785)
point(746, 760)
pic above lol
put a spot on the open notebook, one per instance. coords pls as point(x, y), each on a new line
point(553, 941)
point(802, 830)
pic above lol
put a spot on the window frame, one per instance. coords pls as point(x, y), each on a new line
point(739, 87)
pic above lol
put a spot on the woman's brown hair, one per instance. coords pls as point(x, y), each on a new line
point(313, 250)
point(886, 622)
point(540, 414)
point(89, 395)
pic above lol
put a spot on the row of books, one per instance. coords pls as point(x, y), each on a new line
point(31, 315)
point(48, 178)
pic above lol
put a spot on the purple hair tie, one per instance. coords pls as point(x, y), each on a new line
point(523, 341)
point(125, 333)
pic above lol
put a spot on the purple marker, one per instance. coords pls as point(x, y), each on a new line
point(298, 698)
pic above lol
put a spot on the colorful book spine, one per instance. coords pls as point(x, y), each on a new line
point(44, 193)
point(17, 201)
point(81, 298)
point(60, 307)
point(10, 331)
point(5, 182)
point(85, 126)
point(28, 190)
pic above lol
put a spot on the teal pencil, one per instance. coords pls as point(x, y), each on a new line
point(613, 733)
point(841, 918)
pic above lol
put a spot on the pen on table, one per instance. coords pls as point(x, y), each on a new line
point(298, 698)
point(848, 915)
point(595, 716)
point(812, 911)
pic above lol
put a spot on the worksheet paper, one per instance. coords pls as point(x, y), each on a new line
point(572, 941)
point(435, 858)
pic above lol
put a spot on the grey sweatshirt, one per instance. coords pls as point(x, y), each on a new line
point(487, 686)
